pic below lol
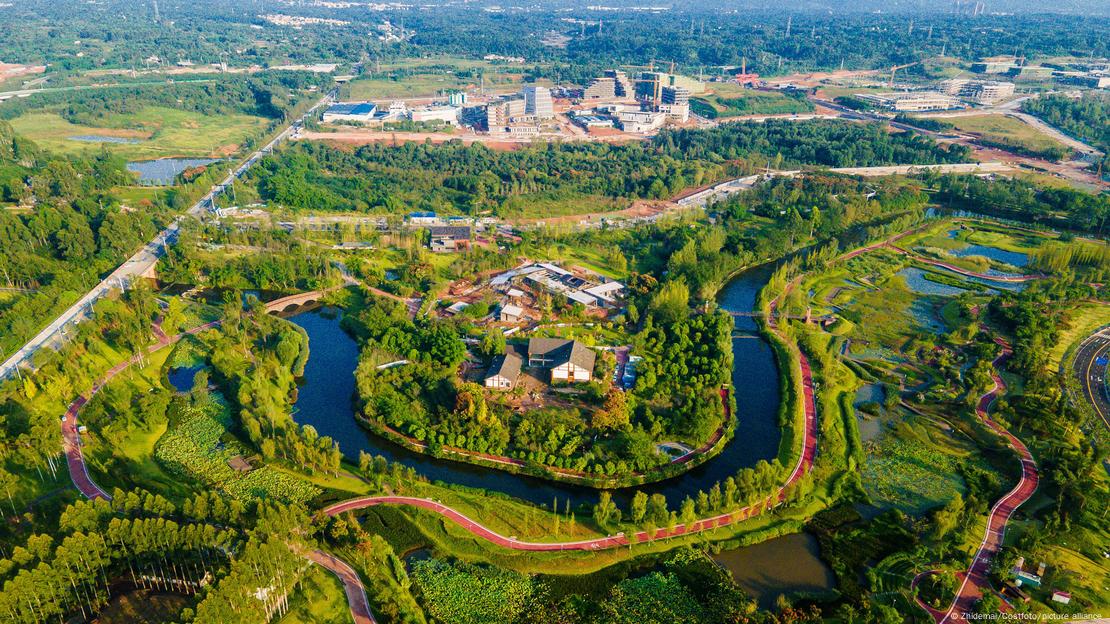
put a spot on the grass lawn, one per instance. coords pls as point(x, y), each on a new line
point(730, 100)
point(160, 132)
point(1082, 321)
point(415, 78)
point(320, 599)
point(1006, 130)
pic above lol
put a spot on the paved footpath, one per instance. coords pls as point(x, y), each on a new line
point(975, 581)
point(79, 473)
point(352, 584)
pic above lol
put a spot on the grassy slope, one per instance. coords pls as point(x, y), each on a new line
point(162, 132)
point(1007, 129)
point(320, 599)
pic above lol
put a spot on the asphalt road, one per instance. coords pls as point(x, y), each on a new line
point(144, 259)
point(1092, 374)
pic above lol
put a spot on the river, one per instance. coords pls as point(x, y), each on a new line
point(788, 564)
point(325, 401)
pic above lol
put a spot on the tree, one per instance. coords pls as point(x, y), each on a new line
point(605, 509)
point(614, 414)
point(639, 506)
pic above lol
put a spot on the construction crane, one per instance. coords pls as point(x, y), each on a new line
point(894, 70)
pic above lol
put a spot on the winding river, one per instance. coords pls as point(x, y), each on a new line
point(324, 401)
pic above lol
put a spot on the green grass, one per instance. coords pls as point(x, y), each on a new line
point(1083, 320)
point(320, 599)
point(1007, 130)
point(729, 100)
point(428, 77)
point(915, 469)
point(162, 132)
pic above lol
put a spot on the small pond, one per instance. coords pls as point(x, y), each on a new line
point(785, 565)
point(164, 170)
point(1015, 258)
point(915, 280)
point(181, 377)
point(102, 138)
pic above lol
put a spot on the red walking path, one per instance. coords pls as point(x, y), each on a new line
point(805, 461)
point(79, 473)
point(975, 582)
point(975, 578)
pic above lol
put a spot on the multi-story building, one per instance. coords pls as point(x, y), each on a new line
point(676, 103)
point(912, 102)
point(456, 98)
point(600, 89)
point(501, 112)
point(987, 92)
point(641, 121)
point(537, 102)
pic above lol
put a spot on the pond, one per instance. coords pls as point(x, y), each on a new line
point(326, 393)
point(101, 138)
point(163, 171)
point(181, 377)
point(785, 565)
point(1014, 258)
point(915, 281)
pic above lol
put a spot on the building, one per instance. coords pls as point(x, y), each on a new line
point(600, 89)
point(1091, 81)
point(988, 92)
point(614, 83)
point(1061, 597)
point(511, 313)
point(641, 121)
point(592, 121)
point(447, 238)
point(676, 103)
point(457, 98)
point(356, 112)
point(502, 112)
point(423, 218)
point(912, 101)
point(995, 65)
point(446, 114)
point(569, 360)
point(503, 372)
point(537, 102)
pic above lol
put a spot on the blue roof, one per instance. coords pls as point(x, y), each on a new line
point(353, 108)
point(429, 215)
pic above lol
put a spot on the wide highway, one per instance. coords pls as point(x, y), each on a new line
point(1090, 369)
point(146, 257)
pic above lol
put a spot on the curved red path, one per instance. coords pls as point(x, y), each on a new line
point(352, 584)
point(71, 437)
point(975, 582)
point(79, 473)
point(804, 463)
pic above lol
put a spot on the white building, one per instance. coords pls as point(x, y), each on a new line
point(537, 102)
point(446, 114)
point(912, 102)
point(641, 121)
point(988, 92)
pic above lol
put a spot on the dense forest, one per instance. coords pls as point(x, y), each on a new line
point(268, 94)
point(117, 34)
point(1086, 118)
point(1022, 200)
point(77, 230)
point(453, 177)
